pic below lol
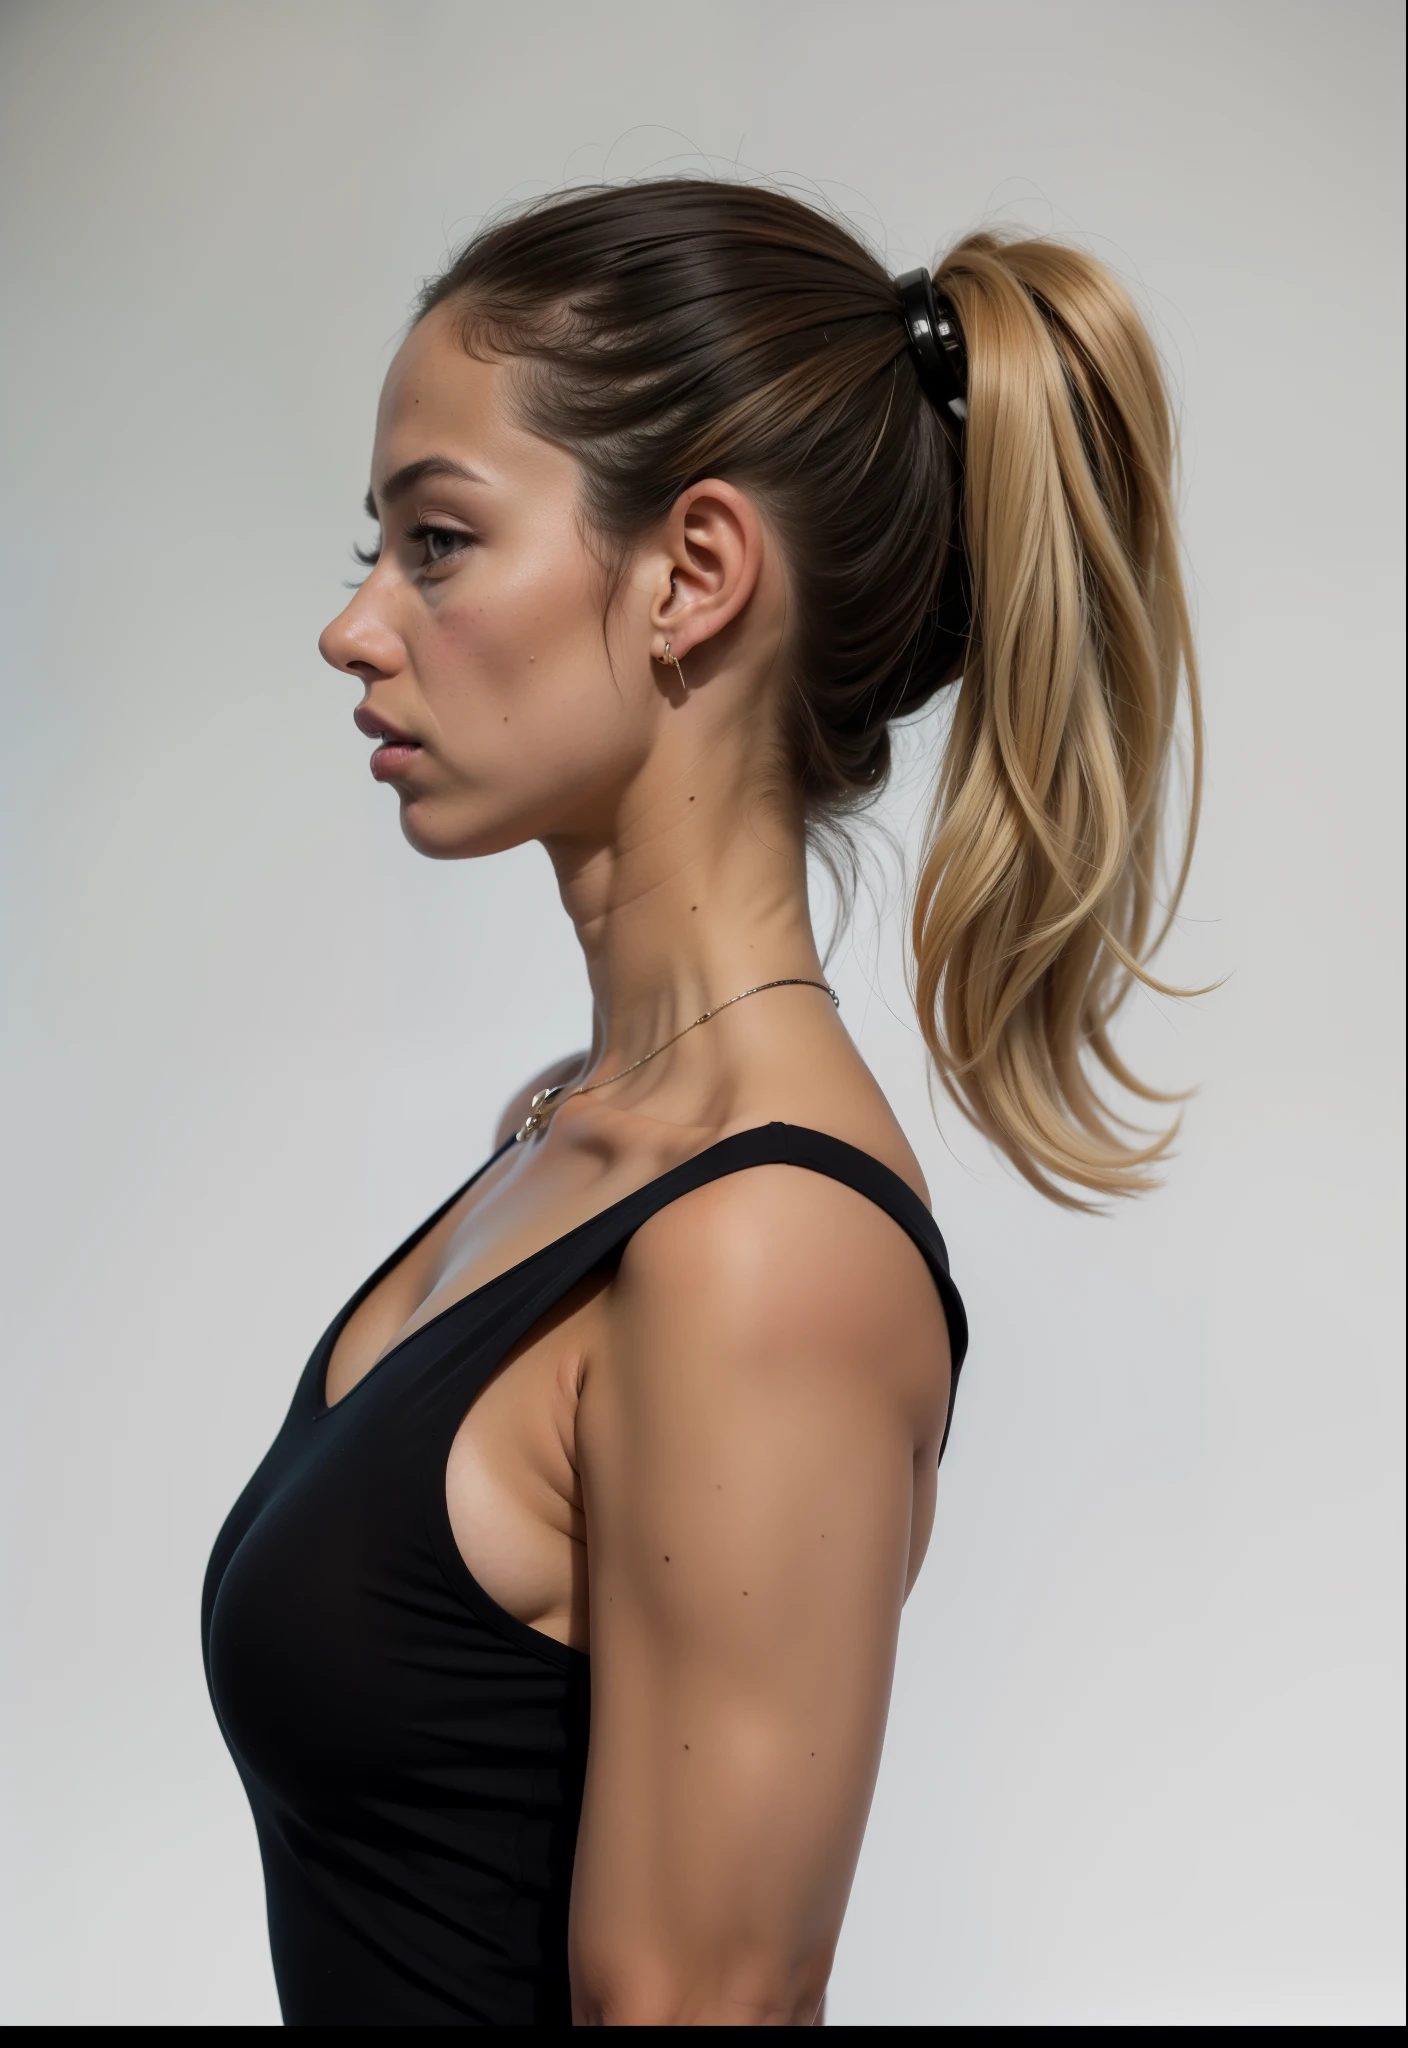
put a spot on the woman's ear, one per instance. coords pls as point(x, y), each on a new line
point(712, 556)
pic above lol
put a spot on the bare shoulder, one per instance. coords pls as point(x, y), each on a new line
point(516, 1108)
point(778, 1274)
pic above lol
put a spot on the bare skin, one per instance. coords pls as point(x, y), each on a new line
point(714, 1465)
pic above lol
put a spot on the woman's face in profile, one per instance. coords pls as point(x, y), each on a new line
point(478, 634)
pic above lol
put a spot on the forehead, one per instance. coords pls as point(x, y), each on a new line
point(437, 400)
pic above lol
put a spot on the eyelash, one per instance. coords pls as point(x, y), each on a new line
point(422, 531)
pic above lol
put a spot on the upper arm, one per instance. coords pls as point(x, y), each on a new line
point(776, 1353)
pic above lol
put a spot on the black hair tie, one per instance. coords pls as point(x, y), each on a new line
point(936, 342)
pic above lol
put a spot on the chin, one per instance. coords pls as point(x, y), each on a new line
point(439, 837)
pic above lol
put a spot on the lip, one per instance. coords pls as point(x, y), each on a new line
point(396, 751)
point(393, 758)
point(378, 728)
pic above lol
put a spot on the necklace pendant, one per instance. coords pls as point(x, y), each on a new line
point(539, 1115)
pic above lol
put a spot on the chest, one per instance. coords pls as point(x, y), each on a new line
point(527, 1201)
point(346, 1587)
point(505, 1477)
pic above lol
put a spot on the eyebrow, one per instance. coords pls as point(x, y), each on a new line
point(415, 473)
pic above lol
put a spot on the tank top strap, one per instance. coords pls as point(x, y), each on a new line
point(780, 1144)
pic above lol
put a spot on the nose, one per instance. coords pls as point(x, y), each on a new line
point(360, 642)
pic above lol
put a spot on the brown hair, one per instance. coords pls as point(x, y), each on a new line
point(686, 328)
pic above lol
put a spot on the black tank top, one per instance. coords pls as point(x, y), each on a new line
point(414, 1755)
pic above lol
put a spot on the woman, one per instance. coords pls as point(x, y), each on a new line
point(683, 502)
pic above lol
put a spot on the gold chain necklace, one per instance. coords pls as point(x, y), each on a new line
point(548, 1101)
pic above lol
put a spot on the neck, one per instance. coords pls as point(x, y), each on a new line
point(694, 899)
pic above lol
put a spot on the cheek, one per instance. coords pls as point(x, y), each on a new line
point(530, 716)
point(516, 642)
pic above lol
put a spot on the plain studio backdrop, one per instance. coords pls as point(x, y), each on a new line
point(1145, 1756)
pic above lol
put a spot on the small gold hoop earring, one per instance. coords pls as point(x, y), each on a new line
point(668, 660)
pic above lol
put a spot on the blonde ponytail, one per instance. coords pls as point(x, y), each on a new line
point(1035, 908)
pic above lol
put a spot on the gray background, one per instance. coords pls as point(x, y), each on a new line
point(1145, 1760)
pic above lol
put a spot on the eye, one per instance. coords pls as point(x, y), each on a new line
point(443, 545)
